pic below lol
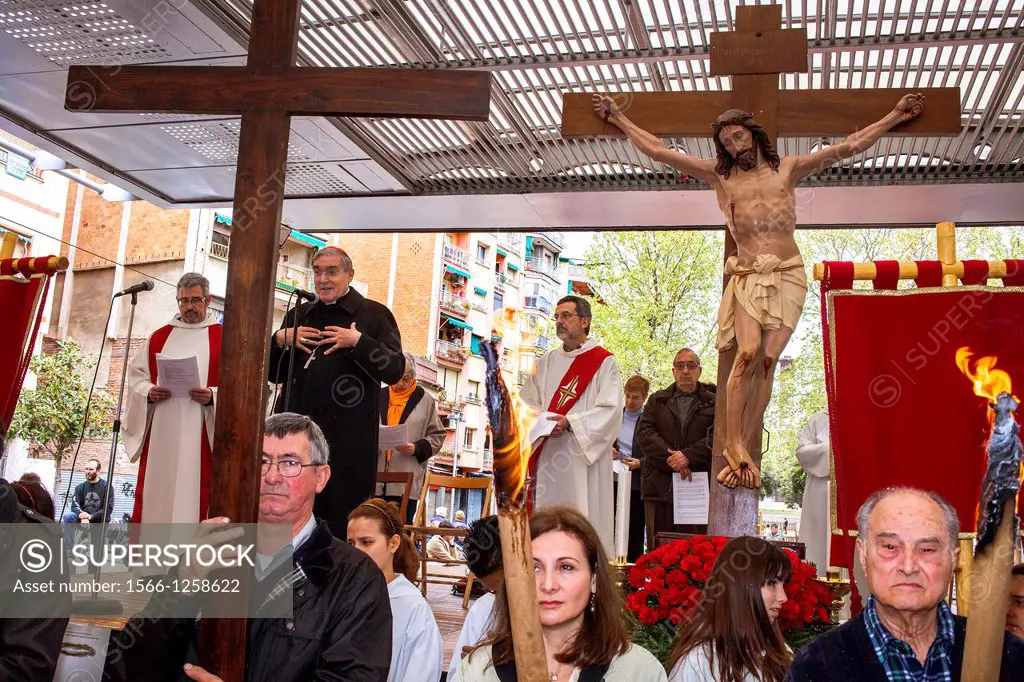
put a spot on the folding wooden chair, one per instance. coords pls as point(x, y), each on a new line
point(419, 528)
point(398, 477)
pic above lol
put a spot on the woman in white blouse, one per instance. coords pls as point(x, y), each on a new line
point(733, 636)
point(580, 612)
point(417, 651)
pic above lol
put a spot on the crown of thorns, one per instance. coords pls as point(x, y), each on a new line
point(733, 117)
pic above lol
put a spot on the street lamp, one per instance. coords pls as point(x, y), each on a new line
point(455, 416)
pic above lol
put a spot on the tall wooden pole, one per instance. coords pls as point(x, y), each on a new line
point(259, 197)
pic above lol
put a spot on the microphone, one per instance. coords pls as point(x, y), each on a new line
point(311, 297)
point(144, 285)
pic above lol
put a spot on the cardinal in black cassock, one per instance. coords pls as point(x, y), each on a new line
point(347, 345)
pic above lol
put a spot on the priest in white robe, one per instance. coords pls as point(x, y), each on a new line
point(171, 436)
point(577, 387)
point(815, 521)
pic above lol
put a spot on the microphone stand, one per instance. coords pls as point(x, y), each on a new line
point(291, 355)
point(93, 606)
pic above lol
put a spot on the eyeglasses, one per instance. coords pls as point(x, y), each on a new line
point(690, 364)
point(564, 317)
point(289, 468)
point(195, 301)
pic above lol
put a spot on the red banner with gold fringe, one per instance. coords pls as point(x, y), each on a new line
point(900, 410)
point(23, 286)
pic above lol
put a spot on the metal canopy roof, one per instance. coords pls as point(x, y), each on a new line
point(537, 49)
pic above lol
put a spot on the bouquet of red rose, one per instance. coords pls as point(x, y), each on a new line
point(666, 584)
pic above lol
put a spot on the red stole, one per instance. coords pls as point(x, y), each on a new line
point(156, 345)
point(579, 375)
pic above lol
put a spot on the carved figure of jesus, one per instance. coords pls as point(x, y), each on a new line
point(756, 190)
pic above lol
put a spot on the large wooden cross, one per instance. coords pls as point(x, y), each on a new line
point(754, 55)
point(266, 93)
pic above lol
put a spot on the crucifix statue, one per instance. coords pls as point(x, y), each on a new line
point(756, 190)
point(761, 305)
point(266, 92)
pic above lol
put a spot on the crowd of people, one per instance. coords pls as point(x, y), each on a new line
point(356, 612)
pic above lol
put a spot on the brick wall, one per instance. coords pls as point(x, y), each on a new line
point(371, 257)
point(413, 289)
point(154, 234)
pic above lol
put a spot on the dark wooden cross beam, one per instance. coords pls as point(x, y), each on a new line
point(266, 93)
point(754, 55)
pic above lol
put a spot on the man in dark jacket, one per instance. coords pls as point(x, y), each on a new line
point(340, 625)
point(908, 547)
point(88, 504)
point(29, 647)
point(347, 346)
point(675, 435)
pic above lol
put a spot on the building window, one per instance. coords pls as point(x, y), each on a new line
point(474, 346)
point(474, 389)
point(469, 437)
point(481, 253)
point(448, 380)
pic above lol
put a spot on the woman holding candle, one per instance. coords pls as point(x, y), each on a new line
point(732, 635)
point(580, 612)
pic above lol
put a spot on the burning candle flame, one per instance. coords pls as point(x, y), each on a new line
point(511, 452)
point(988, 381)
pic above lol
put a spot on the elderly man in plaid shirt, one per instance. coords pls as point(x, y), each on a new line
point(907, 633)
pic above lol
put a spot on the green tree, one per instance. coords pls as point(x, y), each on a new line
point(51, 415)
point(660, 291)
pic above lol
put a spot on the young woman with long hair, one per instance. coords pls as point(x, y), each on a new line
point(733, 636)
point(417, 651)
point(580, 612)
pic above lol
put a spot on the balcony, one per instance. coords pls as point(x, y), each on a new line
point(474, 400)
point(513, 243)
point(457, 403)
point(523, 376)
point(506, 279)
point(557, 239)
point(543, 267)
point(447, 351)
point(508, 365)
point(542, 342)
point(479, 307)
point(577, 273)
point(457, 305)
point(499, 282)
point(538, 303)
point(219, 251)
point(456, 256)
point(292, 277)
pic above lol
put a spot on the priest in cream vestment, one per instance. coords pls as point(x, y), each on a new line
point(172, 436)
point(815, 520)
point(577, 386)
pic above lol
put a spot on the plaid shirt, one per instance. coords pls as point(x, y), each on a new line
point(898, 658)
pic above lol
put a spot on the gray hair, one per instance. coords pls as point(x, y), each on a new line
point(346, 261)
point(582, 307)
point(287, 423)
point(687, 349)
point(948, 512)
point(410, 363)
point(194, 279)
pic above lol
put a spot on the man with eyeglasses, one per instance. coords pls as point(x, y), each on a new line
point(172, 436)
point(576, 387)
point(347, 346)
point(339, 627)
point(675, 434)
